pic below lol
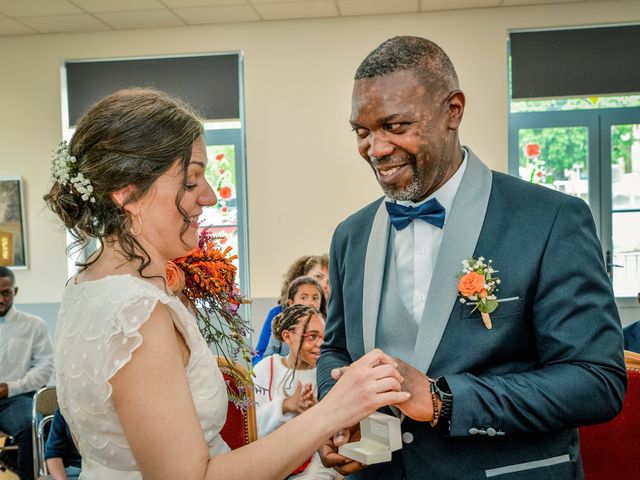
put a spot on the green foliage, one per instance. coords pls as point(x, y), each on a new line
point(591, 103)
point(561, 148)
point(564, 147)
point(621, 141)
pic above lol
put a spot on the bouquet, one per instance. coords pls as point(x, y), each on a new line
point(204, 279)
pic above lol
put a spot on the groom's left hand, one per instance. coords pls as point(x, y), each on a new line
point(420, 406)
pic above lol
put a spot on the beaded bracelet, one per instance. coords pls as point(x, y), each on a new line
point(434, 399)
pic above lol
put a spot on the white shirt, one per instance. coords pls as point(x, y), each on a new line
point(26, 354)
point(417, 247)
point(269, 412)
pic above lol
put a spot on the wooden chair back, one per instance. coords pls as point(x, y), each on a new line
point(240, 427)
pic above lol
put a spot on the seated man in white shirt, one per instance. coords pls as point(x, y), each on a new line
point(26, 363)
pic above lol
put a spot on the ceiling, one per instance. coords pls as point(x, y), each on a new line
point(30, 17)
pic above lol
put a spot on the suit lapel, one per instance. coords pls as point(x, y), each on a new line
point(373, 276)
point(461, 232)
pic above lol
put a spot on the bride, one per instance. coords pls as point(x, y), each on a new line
point(137, 383)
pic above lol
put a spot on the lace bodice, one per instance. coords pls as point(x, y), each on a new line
point(96, 334)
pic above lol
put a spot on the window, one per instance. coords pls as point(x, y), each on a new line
point(209, 83)
point(589, 147)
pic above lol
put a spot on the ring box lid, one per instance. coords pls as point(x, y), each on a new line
point(380, 435)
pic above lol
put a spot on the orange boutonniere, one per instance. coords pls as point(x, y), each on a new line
point(478, 286)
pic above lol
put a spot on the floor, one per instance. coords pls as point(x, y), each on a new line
point(7, 475)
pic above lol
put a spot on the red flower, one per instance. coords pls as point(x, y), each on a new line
point(219, 156)
point(224, 209)
point(532, 150)
point(221, 171)
point(225, 192)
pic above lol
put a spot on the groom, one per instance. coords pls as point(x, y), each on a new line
point(501, 402)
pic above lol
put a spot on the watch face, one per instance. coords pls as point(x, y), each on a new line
point(442, 385)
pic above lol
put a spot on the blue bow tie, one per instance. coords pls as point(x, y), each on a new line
point(431, 212)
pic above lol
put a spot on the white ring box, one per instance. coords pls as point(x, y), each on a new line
point(380, 435)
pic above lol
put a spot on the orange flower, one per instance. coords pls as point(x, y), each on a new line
point(175, 278)
point(471, 283)
point(225, 192)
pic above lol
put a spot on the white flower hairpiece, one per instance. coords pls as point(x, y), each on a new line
point(64, 171)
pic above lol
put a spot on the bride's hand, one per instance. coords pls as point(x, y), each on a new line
point(370, 383)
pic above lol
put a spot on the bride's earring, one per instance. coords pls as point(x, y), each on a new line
point(134, 232)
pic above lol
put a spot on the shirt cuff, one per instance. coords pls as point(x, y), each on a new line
point(13, 389)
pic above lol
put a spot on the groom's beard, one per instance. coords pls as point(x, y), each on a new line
point(407, 193)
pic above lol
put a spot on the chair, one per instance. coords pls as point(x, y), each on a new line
point(6, 442)
point(240, 427)
point(610, 450)
point(45, 403)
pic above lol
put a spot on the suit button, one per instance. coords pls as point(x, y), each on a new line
point(407, 437)
point(491, 432)
point(473, 431)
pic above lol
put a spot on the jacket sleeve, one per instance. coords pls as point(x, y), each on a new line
point(581, 378)
point(334, 353)
point(58, 442)
point(265, 334)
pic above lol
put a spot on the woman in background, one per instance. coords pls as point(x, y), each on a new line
point(302, 291)
point(314, 266)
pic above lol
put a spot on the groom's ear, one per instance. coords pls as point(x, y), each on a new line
point(457, 101)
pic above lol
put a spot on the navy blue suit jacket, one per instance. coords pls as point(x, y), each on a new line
point(553, 360)
point(632, 337)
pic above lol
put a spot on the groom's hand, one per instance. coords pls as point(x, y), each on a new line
point(332, 459)
point(420, 405)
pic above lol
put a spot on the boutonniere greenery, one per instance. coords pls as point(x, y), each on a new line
point(478, 285)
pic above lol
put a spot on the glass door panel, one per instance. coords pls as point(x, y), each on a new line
point(625, 208)
point(224, 173)
point(556, 157)
point(221, 174)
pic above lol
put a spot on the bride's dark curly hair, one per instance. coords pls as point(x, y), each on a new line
point(129, 138)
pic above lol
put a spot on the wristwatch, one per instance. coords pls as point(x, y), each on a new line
point(441, 388)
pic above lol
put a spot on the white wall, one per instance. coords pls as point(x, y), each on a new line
point(304, 175)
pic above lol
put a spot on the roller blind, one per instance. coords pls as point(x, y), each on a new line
point(209, 83)
point(575, 62)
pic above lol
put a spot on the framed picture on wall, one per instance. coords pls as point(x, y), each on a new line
point(13, 235)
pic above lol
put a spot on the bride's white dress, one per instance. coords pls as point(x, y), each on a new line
point(97, 331)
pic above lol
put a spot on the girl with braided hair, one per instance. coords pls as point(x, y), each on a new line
point(289, 383)
point(303, 291)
